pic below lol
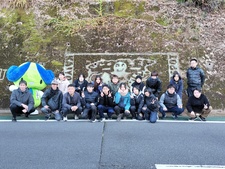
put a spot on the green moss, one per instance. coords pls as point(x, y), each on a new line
point(52, 11)
point(128, 8)
point(155, 35)
point(141, 8)
point(155, 8)
point(146, 17)
point(56, 63)
point(162, 21)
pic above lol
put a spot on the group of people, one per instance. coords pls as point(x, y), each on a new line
point(142, 101)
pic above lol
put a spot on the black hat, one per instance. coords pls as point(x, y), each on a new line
point(171, 86)
point(90, 85)
point(138, 77)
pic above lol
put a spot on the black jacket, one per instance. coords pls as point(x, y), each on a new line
point(155, 85)
point(195, 77)
point(137, 101)
point(89, 98)
point(197, 104)
point(52, 98)
point(79, 87)
point(148, 103)
point(18, 98)
point(106, 101)
point(139, 85)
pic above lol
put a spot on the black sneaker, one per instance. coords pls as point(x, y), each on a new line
point(47, 118)
point(192, 118)
point(202, 118)
point(14, 120)
point(163, 116)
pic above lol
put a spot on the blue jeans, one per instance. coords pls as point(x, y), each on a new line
point(102, 109)
point(48, 112)
point(150, 115)
point(175, 110)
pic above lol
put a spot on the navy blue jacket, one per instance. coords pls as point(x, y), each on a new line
point(89, 98)
point(195, 77)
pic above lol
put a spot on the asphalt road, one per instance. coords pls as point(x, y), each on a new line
point(110, 145)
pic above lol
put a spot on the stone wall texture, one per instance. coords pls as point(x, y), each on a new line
point(164, 34)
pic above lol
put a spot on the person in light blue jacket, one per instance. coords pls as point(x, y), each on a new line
point(122, 100)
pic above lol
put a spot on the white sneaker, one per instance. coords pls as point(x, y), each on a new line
point(93, 121)
point(65, 118)
point(102, 120)
point(76, 117)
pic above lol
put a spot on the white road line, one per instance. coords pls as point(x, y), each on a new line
point(169, 166)
point(123, 121)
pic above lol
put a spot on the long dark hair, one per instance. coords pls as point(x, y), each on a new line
point(95, 83)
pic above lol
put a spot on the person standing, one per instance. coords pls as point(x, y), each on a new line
point(138, 83)
point(195, 77)
point(177, 82)
point(154, 83)
point(71, 103)
point(114, 84)
point(21, 101)
point(98, 84)
point(63, 82)
point(198, 104)
point(52, 101)
point(80, 83)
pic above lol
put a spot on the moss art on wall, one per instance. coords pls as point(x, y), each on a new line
point(125, 65)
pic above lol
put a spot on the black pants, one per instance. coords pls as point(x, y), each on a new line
point(17, 110)
point(133, 110)
point(66, 111)
point(191, 89)
point(87, 111)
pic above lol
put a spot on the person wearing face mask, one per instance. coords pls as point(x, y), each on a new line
point(195, 77)
point(21, 101)
point(154, 83)
point(198, 104)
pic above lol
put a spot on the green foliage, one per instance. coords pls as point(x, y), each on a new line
point(162, 21)
point(128, 8)
point(20, 3)
point(100, 9)
point(155, 8)
point(21, 26)
point(69, 27)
